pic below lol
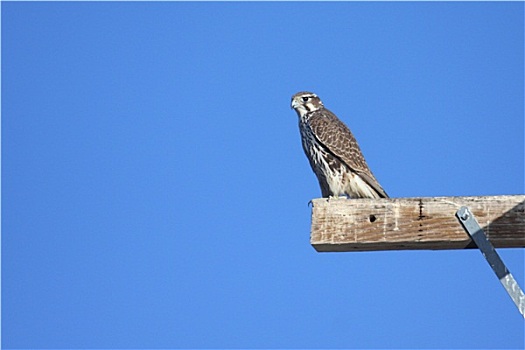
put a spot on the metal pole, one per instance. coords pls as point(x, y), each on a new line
point(471, 225)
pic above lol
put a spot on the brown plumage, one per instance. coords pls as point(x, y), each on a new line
point(333, 152)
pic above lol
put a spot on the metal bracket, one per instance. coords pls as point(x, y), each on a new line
point(471, 225)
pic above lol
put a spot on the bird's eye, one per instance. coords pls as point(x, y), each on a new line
point(305, 98)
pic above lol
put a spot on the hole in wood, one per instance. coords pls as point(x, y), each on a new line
point(372, 218)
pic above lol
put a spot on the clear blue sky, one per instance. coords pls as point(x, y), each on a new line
point(155, 193)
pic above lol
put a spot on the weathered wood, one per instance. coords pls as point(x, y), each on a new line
point(342, 225)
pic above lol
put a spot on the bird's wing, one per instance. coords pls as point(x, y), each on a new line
point(338, 139)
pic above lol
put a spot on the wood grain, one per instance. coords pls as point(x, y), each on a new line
point(341, 225)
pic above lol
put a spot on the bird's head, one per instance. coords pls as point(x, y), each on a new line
point(306, 102)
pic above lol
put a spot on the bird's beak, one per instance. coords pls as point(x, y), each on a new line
point(295, 104)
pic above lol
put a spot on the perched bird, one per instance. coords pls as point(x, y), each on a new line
point(333, 152)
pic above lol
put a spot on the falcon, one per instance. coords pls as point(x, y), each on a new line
point(333, 152)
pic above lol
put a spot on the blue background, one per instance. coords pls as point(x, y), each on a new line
point(155, 193)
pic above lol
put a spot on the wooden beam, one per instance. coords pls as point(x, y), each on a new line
point(343, 225)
